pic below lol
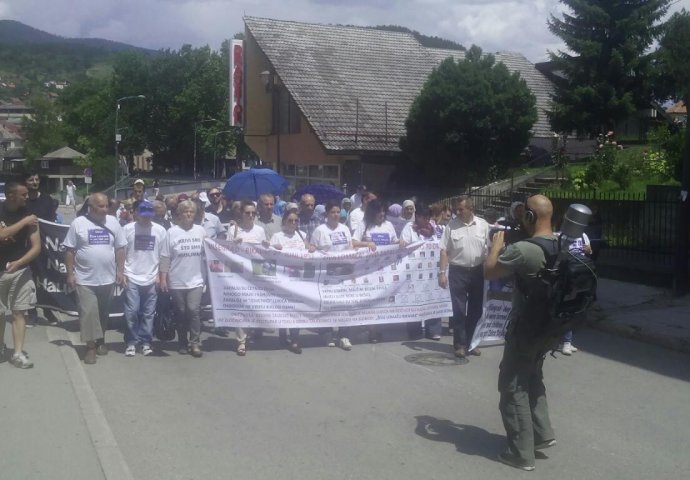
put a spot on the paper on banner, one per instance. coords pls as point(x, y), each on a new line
point(491, 327)
point(253, 286)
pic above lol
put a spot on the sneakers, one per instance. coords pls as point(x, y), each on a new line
point(515, 462)
point(546, 444)
point(328, 339)
point(130, 351)
point(195, 350)
point(146, 350)
point(20, 360)
point(567, 349)
point(3, 353)
point(345, 344)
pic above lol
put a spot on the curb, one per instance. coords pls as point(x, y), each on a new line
point(604, 324)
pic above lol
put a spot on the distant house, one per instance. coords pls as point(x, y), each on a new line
point(58, 166)
point(678, 112)
point(328, 103)
point(11, 141)
point(15, 110)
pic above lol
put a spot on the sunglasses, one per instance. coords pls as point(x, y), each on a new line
point(215, 194)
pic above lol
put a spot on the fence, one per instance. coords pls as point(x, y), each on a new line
point(633, 231)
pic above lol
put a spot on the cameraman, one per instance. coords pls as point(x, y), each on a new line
point(522, 403)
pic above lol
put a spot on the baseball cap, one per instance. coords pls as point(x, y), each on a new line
point(139, 181)
point(291, 206)
point(145, 209)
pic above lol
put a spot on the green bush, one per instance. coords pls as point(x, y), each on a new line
point(622, 175)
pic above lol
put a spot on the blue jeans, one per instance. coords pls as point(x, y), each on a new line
point(567, 337)
point(140, 306)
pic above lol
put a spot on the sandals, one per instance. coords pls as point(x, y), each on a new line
point(241, 350)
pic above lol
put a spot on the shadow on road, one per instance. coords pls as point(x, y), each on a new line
point(634, 353)
point(468, 439)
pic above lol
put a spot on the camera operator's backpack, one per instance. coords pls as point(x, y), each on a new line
point(558, 295)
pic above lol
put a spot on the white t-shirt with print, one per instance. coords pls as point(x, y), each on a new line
point(186, 251)
point(94, 260)
point(294, 242)
point(144, 246)
point(254, 236)
point(383, 234)
point(332, 240)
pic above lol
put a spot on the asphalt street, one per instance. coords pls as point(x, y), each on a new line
point(397, 410)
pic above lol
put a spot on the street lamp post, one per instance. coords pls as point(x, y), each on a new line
point(195, 125)
point(118, 136)
point(215, 137)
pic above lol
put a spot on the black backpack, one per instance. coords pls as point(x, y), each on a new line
point(558, 295)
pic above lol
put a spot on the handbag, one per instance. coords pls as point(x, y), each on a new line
point(164, 324)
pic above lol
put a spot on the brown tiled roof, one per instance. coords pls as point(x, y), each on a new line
point(678, 107)
point(355, 85)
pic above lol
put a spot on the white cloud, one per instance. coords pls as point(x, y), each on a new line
point(513, 25)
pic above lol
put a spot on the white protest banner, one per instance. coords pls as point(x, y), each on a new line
point(253, 286)
point(491, 327)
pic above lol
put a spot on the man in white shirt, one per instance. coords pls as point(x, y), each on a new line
point(70, 198)
point(95, 260)
point(464, 247)
point(144, 243)
point(356, 198)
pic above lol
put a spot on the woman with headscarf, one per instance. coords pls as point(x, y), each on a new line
point(421, 229)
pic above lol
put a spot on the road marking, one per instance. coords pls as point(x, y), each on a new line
point(109, 454)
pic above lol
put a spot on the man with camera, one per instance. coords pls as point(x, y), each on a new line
point(522, 403)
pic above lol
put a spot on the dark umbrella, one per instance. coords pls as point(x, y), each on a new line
point(322, 193)
point(253, 182)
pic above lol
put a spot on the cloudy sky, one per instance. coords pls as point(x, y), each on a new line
point(494, 25)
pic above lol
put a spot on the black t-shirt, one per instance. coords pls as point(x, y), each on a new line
point(13, 248)
point(42, 207)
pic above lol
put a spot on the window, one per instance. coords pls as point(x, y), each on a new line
point(45, 164)
point(300, 175)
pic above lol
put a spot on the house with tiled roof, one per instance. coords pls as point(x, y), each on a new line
point(327, 103)
point(678, 111)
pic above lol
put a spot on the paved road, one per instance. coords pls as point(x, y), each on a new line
point(619, 408)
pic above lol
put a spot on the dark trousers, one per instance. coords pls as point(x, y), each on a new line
point(467, 296)
point(523, 406)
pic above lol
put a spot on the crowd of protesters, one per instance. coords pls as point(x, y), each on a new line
point(152, 246)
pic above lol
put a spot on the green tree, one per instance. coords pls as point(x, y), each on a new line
point(471, 118)
point(44, 131)
point(604, 76)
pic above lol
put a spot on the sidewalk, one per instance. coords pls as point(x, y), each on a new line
point(648, 314)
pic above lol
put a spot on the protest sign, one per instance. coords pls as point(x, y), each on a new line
point(253, 286)
point(491, 326)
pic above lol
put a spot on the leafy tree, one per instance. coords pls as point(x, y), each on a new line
point(606, 77)
point(471, 118)
point(43, 131)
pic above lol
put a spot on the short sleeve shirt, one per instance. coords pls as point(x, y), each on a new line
point(94, 246)
point(333, 240)
point(271, 227)
point(144, 246)
point(383, 234)
point(212, 225)
point(293, 242)
point(185, 248)
point(254, 236)
point(466, 244)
